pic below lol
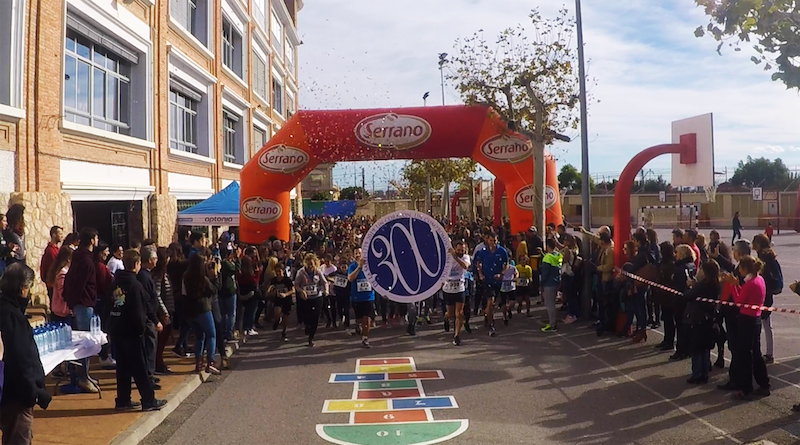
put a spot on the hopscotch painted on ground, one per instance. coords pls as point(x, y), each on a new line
point(389, 406)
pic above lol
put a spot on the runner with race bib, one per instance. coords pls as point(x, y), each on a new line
point(524, 284)
point(311, 283)
point(454, 290)
point(361, 295)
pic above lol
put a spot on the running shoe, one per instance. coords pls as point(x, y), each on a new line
point(492, 331)
point(212, 369)
point(252, 332)
point(155, 405)
point(428, 319)
point(456, 341)
point(768, 359)
point(348, 332)
point(365, 343)
point(467, 328)
point(570, 319)
point(549, 328)
point(310, 344)
point(510, 315)
point(275, 326)
point(447, 325)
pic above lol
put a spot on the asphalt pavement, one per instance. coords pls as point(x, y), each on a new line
point(521, 387)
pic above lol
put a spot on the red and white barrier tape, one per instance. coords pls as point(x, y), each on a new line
point(707, 300)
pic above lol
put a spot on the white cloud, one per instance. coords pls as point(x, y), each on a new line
point(649, 67)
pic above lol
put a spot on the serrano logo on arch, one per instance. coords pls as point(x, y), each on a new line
point(283, 159)
point(524, 198)
point(261, 210)
point(550, 196)
point(394, 131)
point(506, 149)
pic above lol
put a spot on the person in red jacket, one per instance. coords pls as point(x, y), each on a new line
point(748, 362)
point(49, 257)
point(80, 293)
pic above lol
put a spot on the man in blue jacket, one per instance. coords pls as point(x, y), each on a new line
point(491, 264)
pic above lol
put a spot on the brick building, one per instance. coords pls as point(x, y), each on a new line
point(116, 113)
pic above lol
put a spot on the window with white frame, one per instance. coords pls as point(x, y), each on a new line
point(289, 57)
point(232, 137)
point(258, 81)
point(184, 103)
point(290, 104)
point(231, 47)
point(259, 138)
point(192, 15)
point(276, 29)
point(97, 79)
point(260, 13)
point(277, 94)
point(11, 47)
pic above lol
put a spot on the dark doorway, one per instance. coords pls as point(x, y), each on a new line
point(117, 222)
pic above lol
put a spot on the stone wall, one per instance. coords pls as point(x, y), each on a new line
point(163, 218)
point(42, 211)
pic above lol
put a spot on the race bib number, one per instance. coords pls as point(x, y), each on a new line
point(363, 286)
point(451, 286)
point(280, 288)
point(523, 281)
point(507, 286)
point(310, 290)
point(340, 281)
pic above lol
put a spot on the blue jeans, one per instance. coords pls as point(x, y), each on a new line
point(81, 321)
point(205, 336)
point(227, 306)
point(701, 363)
point(637, 306)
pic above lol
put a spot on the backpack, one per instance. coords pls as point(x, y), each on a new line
point(773, 276)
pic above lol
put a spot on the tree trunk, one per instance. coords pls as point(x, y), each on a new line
point(446, 200)
point(473, 206)
point(539, 219)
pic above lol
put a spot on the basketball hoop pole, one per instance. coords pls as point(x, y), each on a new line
point(586, 216)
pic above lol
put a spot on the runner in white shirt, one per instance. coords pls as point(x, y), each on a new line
point(508, 292)
point(454, 289)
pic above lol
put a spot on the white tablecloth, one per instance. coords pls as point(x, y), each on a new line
point(84, 344)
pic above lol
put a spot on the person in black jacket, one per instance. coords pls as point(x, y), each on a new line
point(127, 324)
point(685, 271)
point(24, 375)
point(155, 310)
point(773, 278)
point(699, 320)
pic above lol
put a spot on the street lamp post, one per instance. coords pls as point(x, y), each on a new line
point(586, 220)
point(442, 61)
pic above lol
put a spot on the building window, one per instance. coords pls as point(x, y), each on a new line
point(11, 52)
point(277, 95)
point(97, 82)
point(290, 104)
point(183, 122)
point(259, 13)
point(276, 29)
point(231, 47)
point(229, 122)
point(259, 139)
point(192, 15)
point(289, 57)
point(316, 180)
point(259, 79)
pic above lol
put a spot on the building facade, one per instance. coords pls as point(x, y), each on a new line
point(319, 182)
point(117, 113)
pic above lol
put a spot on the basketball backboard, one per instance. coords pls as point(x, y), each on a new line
point(700, 174)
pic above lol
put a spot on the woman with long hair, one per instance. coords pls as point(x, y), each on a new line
point(653, 308)
point(164, 289)
point(699, 320)
point(665, 300)
point(569, 279)
point(248, 290)
point(59, 312)
point(685, 272)
point(200, 285)
point(773, 279)
point(175, 269)
point(749, 363)
point(104, 279)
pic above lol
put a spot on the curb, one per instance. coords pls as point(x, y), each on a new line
point(150, 421)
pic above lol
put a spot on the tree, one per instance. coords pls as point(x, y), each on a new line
point(320, 196)
point(442, 172)
point(761, 172)
point(532, 84)
point(572, 180)
point(773, 24)
point(353, 193)
point(651, 185)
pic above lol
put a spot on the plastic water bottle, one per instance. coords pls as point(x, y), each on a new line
point(69, 335)
point(37, 338)
point(48, 339)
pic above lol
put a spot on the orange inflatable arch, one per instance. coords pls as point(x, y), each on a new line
point(313, 137)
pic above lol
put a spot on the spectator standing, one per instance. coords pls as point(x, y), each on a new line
point(164, 290)
point(49, 257)
point(104, 280)
point(59, 311)
point(228, 291)
point(115, 262)
point(773, 279)
point(14, 233)
point(23, 372)
point(127, 326)
point(155, 311)
point(199, 284)
point(197, 241)
point(80, 291)
point(175, 269)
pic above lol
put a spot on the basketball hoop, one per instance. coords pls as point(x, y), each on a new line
point(711, 193)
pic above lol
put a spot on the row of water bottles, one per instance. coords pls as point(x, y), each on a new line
point(96, 327)
point(51, 337)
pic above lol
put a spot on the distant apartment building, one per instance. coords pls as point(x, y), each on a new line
point(319, 181)
point(117, 113)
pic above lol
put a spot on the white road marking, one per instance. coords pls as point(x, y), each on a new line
point(708, 424)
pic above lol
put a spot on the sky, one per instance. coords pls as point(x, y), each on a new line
point(648, 69)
